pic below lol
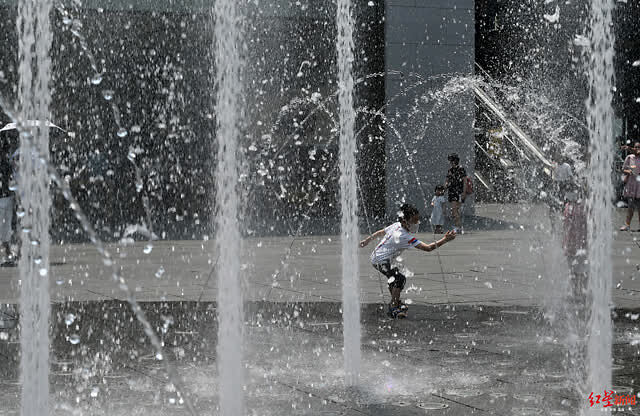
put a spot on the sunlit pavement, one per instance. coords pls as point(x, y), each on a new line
point(475, 342)
point(507, 256)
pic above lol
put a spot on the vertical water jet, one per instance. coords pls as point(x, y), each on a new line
point(34, 97)
point(348, 195)
point(228, 23)
point(600, 207)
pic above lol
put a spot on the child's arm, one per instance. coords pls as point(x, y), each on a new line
point(450, 235)
point(371, 237)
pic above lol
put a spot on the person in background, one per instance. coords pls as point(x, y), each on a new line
point(7, 202)
point(631, 178)
point(455, 185)
point(562, 177)
point(437, 214)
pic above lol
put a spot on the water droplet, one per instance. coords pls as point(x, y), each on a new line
point(69, 319)
point(20, 213)
point(371, 4)
point(66, 20)
point(431, 405)
point(122, 132)
point(35, 242)
point(160, 272)
point(37, 260)
point(159, 356)
point(94, 392)
point(74, 339)
point(463, 392)
point(108, 95)
point(148, 248)
point(43, 272)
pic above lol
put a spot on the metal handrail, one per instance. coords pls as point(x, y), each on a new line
point(524, 139)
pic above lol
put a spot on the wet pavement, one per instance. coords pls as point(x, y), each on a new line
point(443, 360)
point(487, 331)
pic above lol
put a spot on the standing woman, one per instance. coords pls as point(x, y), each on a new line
point(631, 193)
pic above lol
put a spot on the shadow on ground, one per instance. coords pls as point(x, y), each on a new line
point(442, 360)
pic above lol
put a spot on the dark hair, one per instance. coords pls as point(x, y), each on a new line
point(407, 211)
point(439, 188)
point(453, 157)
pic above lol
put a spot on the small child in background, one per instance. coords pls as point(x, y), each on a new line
point(437, 214)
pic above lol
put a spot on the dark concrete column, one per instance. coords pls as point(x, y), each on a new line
point(426, 39)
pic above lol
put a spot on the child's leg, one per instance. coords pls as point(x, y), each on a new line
point(395, 297)
point(396, 287)
point(395, 280)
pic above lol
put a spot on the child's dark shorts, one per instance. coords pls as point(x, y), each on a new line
point(394, 277)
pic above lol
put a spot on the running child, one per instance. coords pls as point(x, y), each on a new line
point(398, 237)
point(437, 214)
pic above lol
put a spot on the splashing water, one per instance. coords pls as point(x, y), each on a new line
point(30, 139)
point(230, 300)
point(600, 117)
point(348, 196)
point(34, 98)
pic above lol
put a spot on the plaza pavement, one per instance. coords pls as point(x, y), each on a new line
point(507, 257)
point(475, 342)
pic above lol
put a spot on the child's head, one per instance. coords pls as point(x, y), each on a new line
point(408, 215)
point(454, 159)
point(439, 190)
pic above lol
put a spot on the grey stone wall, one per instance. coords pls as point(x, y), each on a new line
point(425, 40)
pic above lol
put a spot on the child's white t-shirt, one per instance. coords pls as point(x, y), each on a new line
point(396, 240)
point(437, 215)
